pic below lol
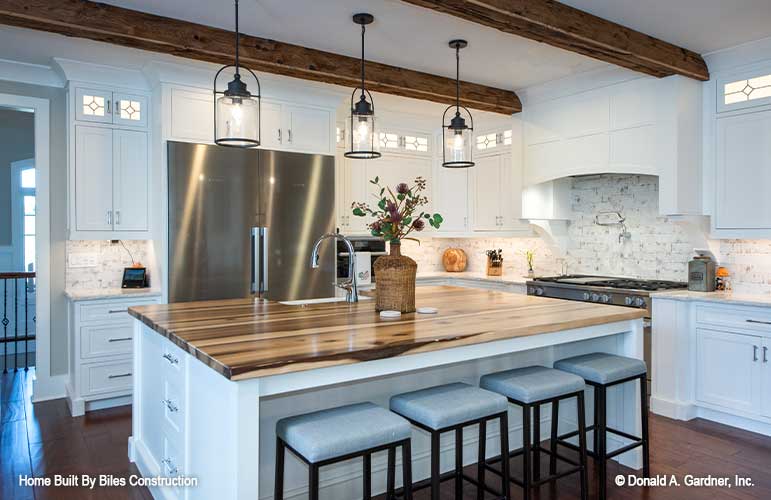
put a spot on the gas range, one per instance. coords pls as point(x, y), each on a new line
point(626, 292)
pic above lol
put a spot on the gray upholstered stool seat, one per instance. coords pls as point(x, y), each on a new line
point(337, 432)
point(532, 383)
point(448, 405)
point(602, 368)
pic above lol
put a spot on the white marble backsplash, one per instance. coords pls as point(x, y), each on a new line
point(111, 259)
point(749, 262)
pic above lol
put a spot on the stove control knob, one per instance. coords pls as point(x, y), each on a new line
point(530, 290)
point(640, 302)
point(595, 297)
point(586, 295)
point(605, 298)
point(539, 291)
point(628, 301)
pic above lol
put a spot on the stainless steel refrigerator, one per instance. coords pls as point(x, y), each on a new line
point(243, 222)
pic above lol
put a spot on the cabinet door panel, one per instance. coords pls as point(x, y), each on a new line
point(93, 105)
point(93, 178)
point(271, 135)
point(131, 178)
point(192, 116)
point(356, 183)
point(765, 384)
point(727, 373)
point(743, 156)
point(451, 198)
point(307, 129)
point(634, 149)
point(130, 109)
point(486, 193)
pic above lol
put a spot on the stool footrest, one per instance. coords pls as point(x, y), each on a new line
point(576, 467)
point(447, 476)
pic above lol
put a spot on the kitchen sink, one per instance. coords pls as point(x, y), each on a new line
point(323, 300)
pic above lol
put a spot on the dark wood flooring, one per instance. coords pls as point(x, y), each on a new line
point(42, 440)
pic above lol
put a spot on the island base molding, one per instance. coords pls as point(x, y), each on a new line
point(189, 420)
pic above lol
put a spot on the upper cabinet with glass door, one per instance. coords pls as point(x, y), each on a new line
point(106, 106)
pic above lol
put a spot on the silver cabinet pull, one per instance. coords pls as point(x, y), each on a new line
point(170, 467)
point(122, 375)
point(170, 358)
point(117, 107)
point(116, 311)
point(758, 322)
point(117, 217)
point(754, 353)
point(170, 405)
point(109, 217)
point(289, 135)
point(122, 339)
point(765, 354)
point(279, 136)
point(108, 106)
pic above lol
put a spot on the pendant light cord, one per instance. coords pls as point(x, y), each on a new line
point(457, 79)
point(237, 39)
point(363, 30)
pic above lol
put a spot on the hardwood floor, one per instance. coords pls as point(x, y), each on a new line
point(42, 440)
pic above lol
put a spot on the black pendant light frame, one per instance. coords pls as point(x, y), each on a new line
point(457, 123)
point(237, 88)
point(362, 107)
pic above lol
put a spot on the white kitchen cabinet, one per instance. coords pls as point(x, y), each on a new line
point(496, 194)
point(111, 181)
point(283, 126)
point(451, 198)
point(130, 181)
point(352, 187)
point(743, 171)
point(93, 178)
point(106, 106)
point(729, 368)
point(765, 382)
point(101, 338)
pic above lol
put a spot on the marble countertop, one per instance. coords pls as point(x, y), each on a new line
point(110, 293)
point(745, 299)
point(512, 279)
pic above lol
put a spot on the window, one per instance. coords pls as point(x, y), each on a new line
point(485, 142)
point(24, 208)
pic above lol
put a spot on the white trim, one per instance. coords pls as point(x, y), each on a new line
point(17, 236)
point(45, 385)
point(34, 74)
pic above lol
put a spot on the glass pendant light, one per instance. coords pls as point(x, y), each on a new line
point(457, 136)
point(236, 110)
point(361, 137)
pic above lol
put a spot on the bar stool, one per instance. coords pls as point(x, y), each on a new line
point(448, 408)
point(601, 370)
point(329, 436)
point(531, 387)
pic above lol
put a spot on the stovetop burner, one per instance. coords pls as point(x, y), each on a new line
point(610, 282)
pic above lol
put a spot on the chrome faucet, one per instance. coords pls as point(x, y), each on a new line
point(349, 285)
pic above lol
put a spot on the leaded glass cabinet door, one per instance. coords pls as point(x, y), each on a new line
point(130, 110)
point(93, 105)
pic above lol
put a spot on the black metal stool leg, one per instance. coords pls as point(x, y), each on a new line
point(595, 433)
point(481, 460)
point(505, 486)
point(536, 442)
point(391, 473)
point(407, 469)
point(278, 484)
point(367, 486)
point(601, 438)
point(582, 446)
point(644, 410)
point(313, 482)
point(555, 417)
point(435, 455)
point(459, 463)
point(526, 452)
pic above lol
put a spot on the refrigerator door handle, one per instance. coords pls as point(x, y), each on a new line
point(255, 258)
point(263, 259)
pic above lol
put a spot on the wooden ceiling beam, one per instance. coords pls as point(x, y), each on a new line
point(139, 30)
point(572, 29)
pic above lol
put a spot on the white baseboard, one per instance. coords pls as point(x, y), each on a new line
point(44, 389)
point(677, 410)
point(745, 423)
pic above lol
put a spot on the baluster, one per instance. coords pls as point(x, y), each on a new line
point(26, 324)
point(16, 324)
point(5, 325)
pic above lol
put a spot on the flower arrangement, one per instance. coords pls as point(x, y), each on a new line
point(398, 211)
point(530, 257)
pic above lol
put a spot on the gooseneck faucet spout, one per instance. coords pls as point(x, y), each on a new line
point(349, 285)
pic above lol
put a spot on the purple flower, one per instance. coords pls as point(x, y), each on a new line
point(391, 207)
point(418, 224)
point(402, 188)
point(396, 217)
point(376, 226)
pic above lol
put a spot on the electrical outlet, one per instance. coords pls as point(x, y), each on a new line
point(84, 259)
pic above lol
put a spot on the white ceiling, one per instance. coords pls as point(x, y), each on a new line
point(702, 26)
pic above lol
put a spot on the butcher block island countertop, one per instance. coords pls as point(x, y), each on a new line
point(247, 338)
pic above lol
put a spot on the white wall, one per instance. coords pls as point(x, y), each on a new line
point(17, 142)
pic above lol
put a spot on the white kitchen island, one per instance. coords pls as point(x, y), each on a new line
point(212, 378)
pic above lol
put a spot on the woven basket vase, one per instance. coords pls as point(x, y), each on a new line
point(395, 281)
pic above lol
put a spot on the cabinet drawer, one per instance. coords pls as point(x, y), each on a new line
point(173, 405)
point(106, 340)
point(751, 318)
point(172, 360)
point(107, 377)
point(110, 311)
